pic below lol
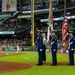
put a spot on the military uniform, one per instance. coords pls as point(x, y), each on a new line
point(39, 44)
point(54, 49)
point(71, 49)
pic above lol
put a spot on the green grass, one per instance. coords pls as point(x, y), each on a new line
point(39, 70)
point(45, 70)
point(32, 57)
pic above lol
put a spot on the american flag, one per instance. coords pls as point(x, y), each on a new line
point(72, 1)
point(64, 29)
point(64, 32)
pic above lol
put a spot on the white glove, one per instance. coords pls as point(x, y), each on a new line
point(72, 49)
point(54, 50)
point(40, 49)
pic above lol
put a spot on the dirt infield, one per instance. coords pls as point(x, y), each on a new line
point(11, 66)
point(15, 66)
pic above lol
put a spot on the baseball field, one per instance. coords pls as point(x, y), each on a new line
point(24, 63)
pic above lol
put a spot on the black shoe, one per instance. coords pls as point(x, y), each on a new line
point(39, 64)
point(71, 64)
point(53, 64)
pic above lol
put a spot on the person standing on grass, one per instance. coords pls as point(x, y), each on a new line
point(18, 49)
point(54, 48)
point(44, 48)
point(71, 47)
point(39, 45)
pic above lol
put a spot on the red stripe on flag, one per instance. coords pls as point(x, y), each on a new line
point(64, 32)
point(72, 1)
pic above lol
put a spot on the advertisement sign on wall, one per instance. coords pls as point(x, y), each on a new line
point(9, 5)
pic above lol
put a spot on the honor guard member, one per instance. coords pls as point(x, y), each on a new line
point(39, 45)
point(71, 47)
point(54, 48)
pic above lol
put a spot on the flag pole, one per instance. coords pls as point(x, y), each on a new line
point(65, 3)
point(57, 1)
point(64, 7)
point(50, 16)
point(50, 23)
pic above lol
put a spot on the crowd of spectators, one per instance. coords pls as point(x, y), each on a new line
point(12, 26)
point(7, 27)
point(45, 5)
point(11, 44)
point(20, 38)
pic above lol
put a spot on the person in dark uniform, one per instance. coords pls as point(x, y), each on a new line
point(71, 47)
point(39, 45)
point(54, 48)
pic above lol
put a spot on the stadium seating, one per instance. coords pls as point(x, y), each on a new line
point(25, 27)
point(55, 7)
